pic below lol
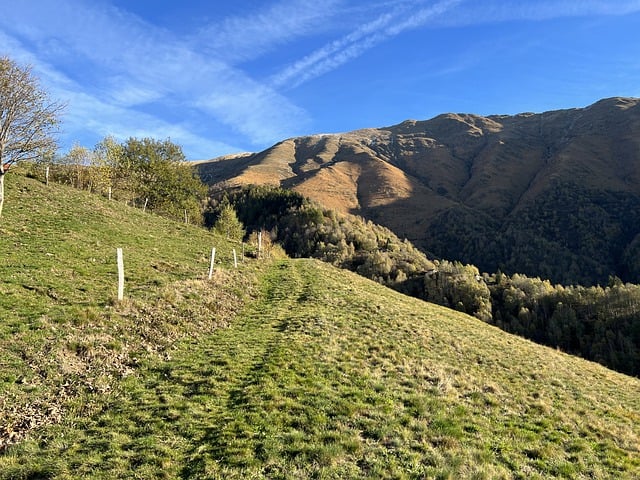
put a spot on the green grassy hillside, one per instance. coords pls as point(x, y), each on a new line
point(63, 335)
point(281, 369)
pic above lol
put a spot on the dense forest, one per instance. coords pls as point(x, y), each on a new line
point(597, 323)
point(305, 229)
point(550, 237)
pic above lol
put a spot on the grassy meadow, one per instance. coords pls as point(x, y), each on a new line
point(280, 369)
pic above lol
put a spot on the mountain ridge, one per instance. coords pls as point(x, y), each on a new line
point(426, 179)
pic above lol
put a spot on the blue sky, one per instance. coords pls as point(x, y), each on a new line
point(219, 77)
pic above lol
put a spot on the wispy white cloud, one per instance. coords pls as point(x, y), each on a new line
point(99, 117)
point(123, 123)
point(125, 63)
point(241, 38)
point(252, 109)
point(403, 16)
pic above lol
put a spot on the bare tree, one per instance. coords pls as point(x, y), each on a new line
point(104, 160)
point(77, 163)
point(28, 118)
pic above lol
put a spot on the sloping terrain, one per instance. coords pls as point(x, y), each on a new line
point(280, 369)
point(63, 334)
point(555, 194)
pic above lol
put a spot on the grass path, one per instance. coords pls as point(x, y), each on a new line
point(240, 358)
point(328, 375)
point(178, 418)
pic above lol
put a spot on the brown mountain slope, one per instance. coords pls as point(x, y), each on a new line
point(555, 194)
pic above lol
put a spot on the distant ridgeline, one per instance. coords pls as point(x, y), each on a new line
point(553, 194)
point(597, 323)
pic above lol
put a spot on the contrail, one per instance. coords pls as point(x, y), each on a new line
point(403, 18)
point(341, 51)
point(301, 70)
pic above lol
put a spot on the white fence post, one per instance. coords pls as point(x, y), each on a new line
point(46, 175)
point(120, 274)
point(235, 259)
point(213, 260)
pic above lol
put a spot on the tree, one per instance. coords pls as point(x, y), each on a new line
point(28, 118)
point(156, 174)
point(228, 224)
point(104, 162)
point(74, 167)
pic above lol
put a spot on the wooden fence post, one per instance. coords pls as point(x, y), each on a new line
point(120, 275)
point(213, 260)
point(46, 175)
point(235, 259)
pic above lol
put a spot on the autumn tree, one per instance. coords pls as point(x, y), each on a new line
point(28, 118)
point(105, 158)
point(72, 167)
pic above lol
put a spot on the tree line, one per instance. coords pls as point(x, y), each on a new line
point(306, 229)
point(598, 323)
point(145, 173)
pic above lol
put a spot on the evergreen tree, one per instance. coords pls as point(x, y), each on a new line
point(228, 224)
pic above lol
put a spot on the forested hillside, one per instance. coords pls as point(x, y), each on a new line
point(597, 323)
point(306, 229)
